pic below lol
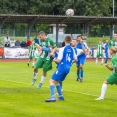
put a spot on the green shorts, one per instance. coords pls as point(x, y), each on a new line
point(99, 55)
point(112, 79)
point(42, 63)
point(31, 57)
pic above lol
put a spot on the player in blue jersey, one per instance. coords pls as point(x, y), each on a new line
point(81, 58)
point(66, 56)
point(106, 51)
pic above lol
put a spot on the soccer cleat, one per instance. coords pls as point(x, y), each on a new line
point(51, 99)
point(39, 86)
point(33, 81)
point(100, 98)
point(61, 98)
point(28, 64)
point(77, 79)
point(80, 80)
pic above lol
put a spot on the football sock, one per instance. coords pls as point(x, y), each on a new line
point(52, 90)
point(77, 73)
point(60, 82)
point(102, 60)
point(96, 61)
point(35, 75)
point(80, 71)
point(33, 64)
point(103, 90)
point(59, 90)
point(42, 79)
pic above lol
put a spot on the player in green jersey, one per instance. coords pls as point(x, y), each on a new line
point(44, 60)
point(112, 79)
point(32, 49)
point(113, 42)
point(99, 52)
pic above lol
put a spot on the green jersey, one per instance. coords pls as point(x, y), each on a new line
point(32, 49)
point(112, 43)
point(47, 43)
point(99, 49)
point(114, 62)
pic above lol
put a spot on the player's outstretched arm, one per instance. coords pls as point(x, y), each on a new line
point(109, 67)
point(57, 60)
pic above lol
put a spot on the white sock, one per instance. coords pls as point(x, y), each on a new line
point(42, 79)
point(103, 90)
point(102, 60)
point(96, 61)
point(33, 64)
point(35, 75)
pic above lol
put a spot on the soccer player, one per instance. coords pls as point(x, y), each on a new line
point(106, 51)
point(113, 42)
point(112, 79)
point(32, 49)
point(81, 58)
point(44, 60)
point(99, 52)
point(65, 58)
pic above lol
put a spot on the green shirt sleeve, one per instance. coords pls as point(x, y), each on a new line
point(114, 62)
point(52, 43)
point(111, 43)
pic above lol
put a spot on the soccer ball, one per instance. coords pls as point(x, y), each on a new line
point(69, 12)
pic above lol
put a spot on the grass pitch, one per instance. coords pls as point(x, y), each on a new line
point(19, 99)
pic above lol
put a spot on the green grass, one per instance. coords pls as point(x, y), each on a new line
point(19, 99)
point(91, 41)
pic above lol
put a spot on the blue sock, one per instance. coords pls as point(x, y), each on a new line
point(60, 82)
point(59, 90)
point(77, 74)
point(80, 71)
point(52, 91)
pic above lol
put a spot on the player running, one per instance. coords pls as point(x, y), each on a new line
point(32, 49)
point(99, 52)
point(106, 51)
point(65, 58)
point(44, 60)
point(112, 79)
point(113, 42)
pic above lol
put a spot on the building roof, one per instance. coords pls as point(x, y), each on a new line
point(59, 25)
point(54, 19)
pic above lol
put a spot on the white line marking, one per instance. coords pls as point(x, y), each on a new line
point(64, 89)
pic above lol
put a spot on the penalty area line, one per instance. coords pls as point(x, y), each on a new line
point(64, 89)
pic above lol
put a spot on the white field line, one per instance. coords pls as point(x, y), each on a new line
point(64, 89)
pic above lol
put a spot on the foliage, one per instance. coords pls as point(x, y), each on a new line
point(56, 7)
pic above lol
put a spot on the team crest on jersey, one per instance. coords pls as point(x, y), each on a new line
point(68, 50)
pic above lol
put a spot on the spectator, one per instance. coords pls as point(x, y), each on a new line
point(23, 44)
point(36, 40)
point(7, 41)
point(17, 43)
point(12, 43)
point(28, 43)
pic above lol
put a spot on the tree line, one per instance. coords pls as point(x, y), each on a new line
point(58, 7)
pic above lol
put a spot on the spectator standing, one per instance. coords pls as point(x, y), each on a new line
point(7, 41)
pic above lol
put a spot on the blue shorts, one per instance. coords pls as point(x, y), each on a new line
point(81, 60)
point(60, 74)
